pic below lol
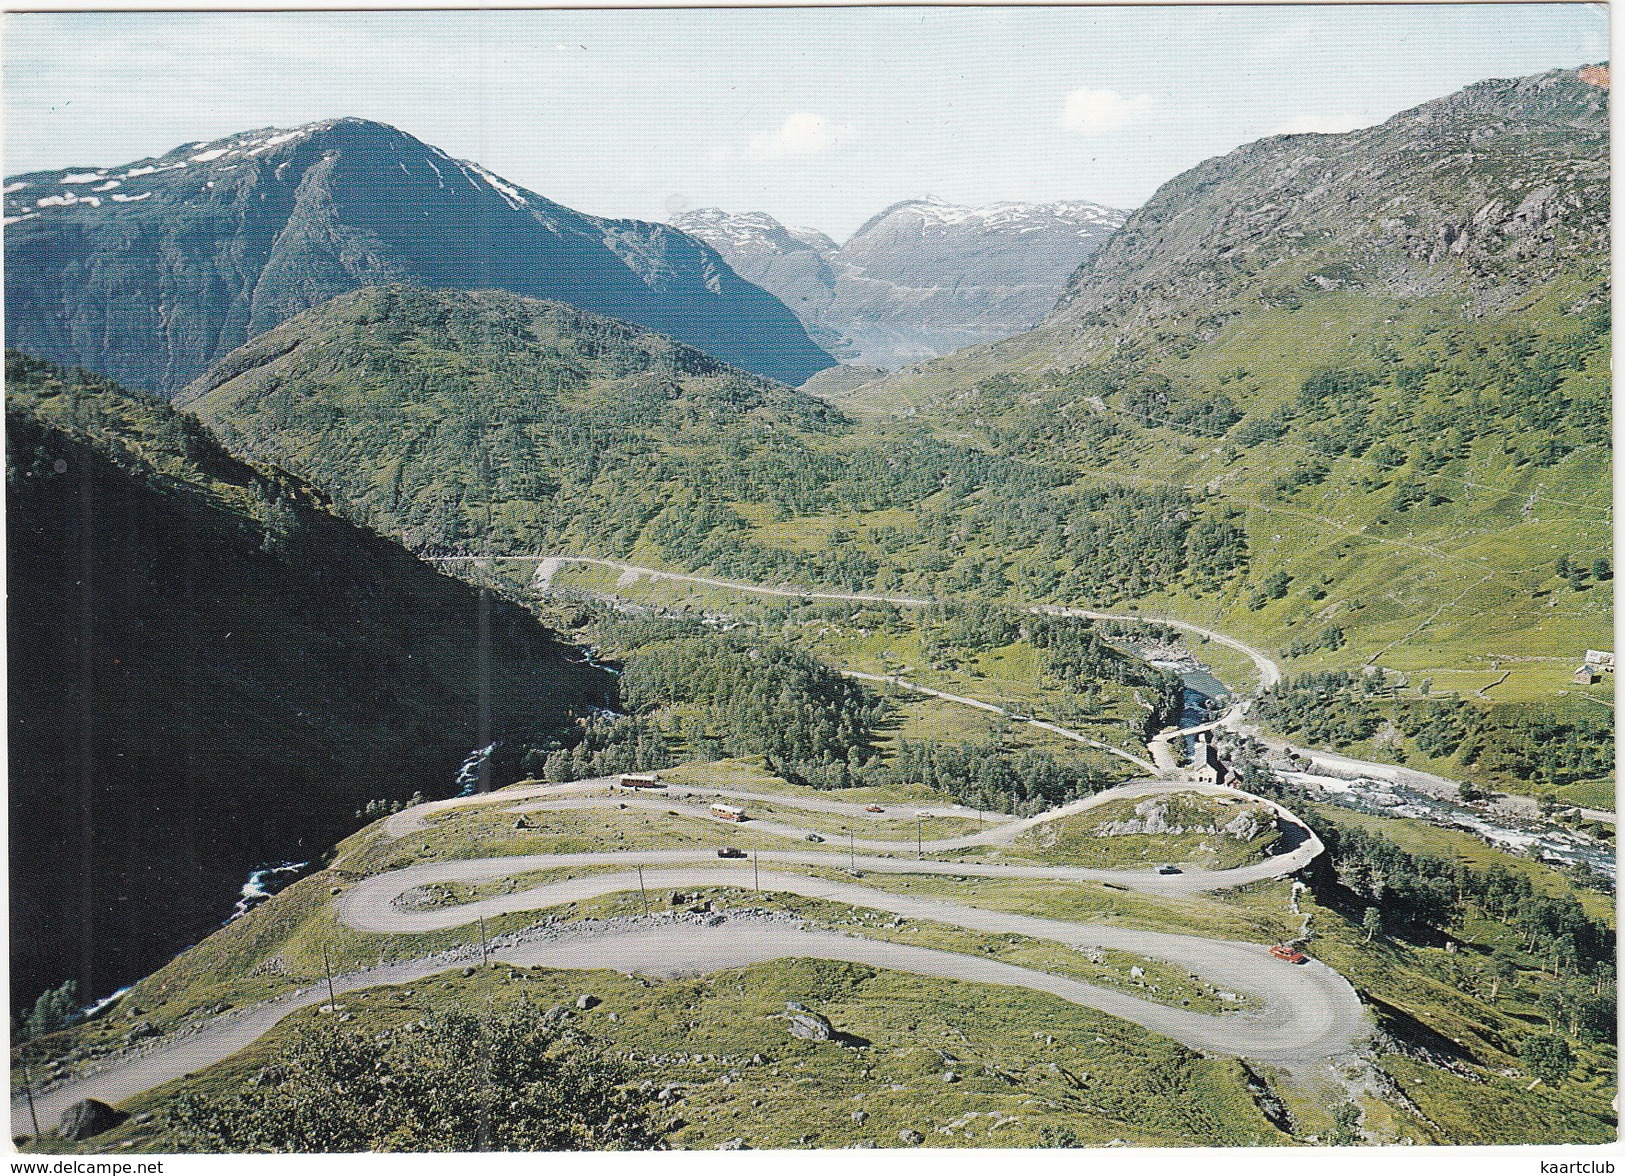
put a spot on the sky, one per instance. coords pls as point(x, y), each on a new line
point(821, 117)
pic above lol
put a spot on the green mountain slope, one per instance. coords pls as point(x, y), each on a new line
point(209, 671)
point(485, 421)
point(1381, 356)
point(454, 418)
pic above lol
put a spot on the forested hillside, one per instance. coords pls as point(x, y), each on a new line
point(472, 422)
point(695, 694)
point(209, 671)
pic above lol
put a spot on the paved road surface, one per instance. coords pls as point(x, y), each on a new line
point(1303, 846)
point(1309, 1012)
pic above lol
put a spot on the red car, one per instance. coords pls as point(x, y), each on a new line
point(1291, 955)
point(874, 808)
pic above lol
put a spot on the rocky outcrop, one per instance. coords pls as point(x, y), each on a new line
point(1158, 816)
point(1487, 192)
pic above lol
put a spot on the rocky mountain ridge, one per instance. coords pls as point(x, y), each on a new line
point(1483, 194)
point(151, 271)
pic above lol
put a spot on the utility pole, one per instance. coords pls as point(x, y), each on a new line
point(851, 852)
point(485, 954)
point(28, 1089)
point(919, 836)
point(643, 892)
point(332, 997)
point(756, 871)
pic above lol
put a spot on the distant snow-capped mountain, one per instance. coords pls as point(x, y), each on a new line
point(922, 278)
point(151, 271)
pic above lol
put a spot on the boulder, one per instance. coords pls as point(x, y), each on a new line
point(911, 1137)
point(89, 1117)
point(810, 1026)
point(586, 1001)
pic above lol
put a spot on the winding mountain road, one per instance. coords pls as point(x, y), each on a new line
point(547, 566)
point(1307, 1011)
point(1300, 848)
point(1303, 1013)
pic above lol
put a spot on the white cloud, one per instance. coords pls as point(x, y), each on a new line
point(1323, 124)
point(1099, 112)
point(801, 134)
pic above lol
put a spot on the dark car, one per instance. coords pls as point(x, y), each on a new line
point(1169, 870)
point(729, 851)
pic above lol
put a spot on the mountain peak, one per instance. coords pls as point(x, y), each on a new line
point(1005, 215)
point(922, 277)
point(254, 227)
point(1482, 193)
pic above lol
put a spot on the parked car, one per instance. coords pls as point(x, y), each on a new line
point(1169, 870)
point(815, 838)
point(729, 851)
point(1290, 954)
point(874, 808)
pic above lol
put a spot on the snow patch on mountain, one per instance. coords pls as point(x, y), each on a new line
point(1022, 216)
point(508, 192)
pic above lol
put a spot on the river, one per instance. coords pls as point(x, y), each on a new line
point(1533, 836)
